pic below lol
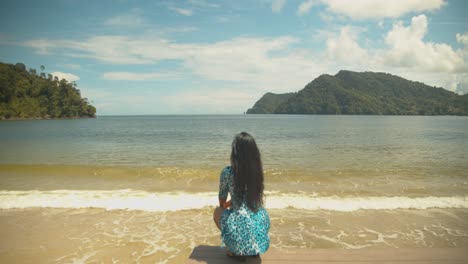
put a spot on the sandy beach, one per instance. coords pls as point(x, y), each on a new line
point(142, 190)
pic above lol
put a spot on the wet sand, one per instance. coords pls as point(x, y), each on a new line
point(123, 236)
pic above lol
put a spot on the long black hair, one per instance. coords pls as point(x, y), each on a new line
point(248, 171)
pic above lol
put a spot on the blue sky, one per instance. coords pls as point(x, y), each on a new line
point(209, 57)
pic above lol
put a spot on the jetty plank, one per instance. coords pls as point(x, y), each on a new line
point(214, 254)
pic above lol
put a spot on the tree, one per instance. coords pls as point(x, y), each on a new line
point(23, 94)
point(32, 71)
point(20, 66)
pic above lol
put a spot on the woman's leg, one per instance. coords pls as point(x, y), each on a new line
point(217, 216)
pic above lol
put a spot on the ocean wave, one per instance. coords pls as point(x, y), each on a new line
point(172, 201)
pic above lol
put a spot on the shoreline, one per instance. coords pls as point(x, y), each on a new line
point(44, 118)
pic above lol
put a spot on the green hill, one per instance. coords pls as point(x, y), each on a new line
point(268, 103)
point(24, 94)
point(367, 93)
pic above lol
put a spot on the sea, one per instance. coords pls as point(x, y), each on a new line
point(142, 189)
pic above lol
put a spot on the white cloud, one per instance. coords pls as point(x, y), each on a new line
point(110, 49)
point(67, 76)
point(277, 5)
point(326, 17)
point(204, 100)
point(408, 49)
point(380, 24)
point(305, 7)
point(203, 3)
point(257, 63)
point(212, 100)
point(365, 9)
point(405, 53)
point(133, 76)
point(43, 46)
point(462, 85)
point(72, 66)
point(261, 63)
point(462, 38)
point(344, 46)
point(254, 65)
point(126, 20)
point(182, 11)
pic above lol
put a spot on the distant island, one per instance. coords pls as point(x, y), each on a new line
point(26, 95)
point(364, 93)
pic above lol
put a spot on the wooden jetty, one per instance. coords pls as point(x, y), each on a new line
point(215, 255)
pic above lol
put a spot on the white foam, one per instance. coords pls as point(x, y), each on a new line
point(347, 204)
point(110, 200)
point(173, 201)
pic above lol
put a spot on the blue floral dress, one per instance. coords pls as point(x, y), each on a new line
point(243, 231)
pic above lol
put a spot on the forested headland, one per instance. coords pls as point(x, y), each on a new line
point(364, 93)
point(26, 94)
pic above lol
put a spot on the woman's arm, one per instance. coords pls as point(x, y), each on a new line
point(224, 189)
point(224, 204)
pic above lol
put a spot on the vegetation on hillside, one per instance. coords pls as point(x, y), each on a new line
point(25, 94)
point(268, 103)
point(367, 93)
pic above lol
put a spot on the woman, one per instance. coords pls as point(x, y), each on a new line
point(243, 221)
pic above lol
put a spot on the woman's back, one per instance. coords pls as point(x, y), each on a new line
point(245, 225)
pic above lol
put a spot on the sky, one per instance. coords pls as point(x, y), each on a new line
point(219, 57)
